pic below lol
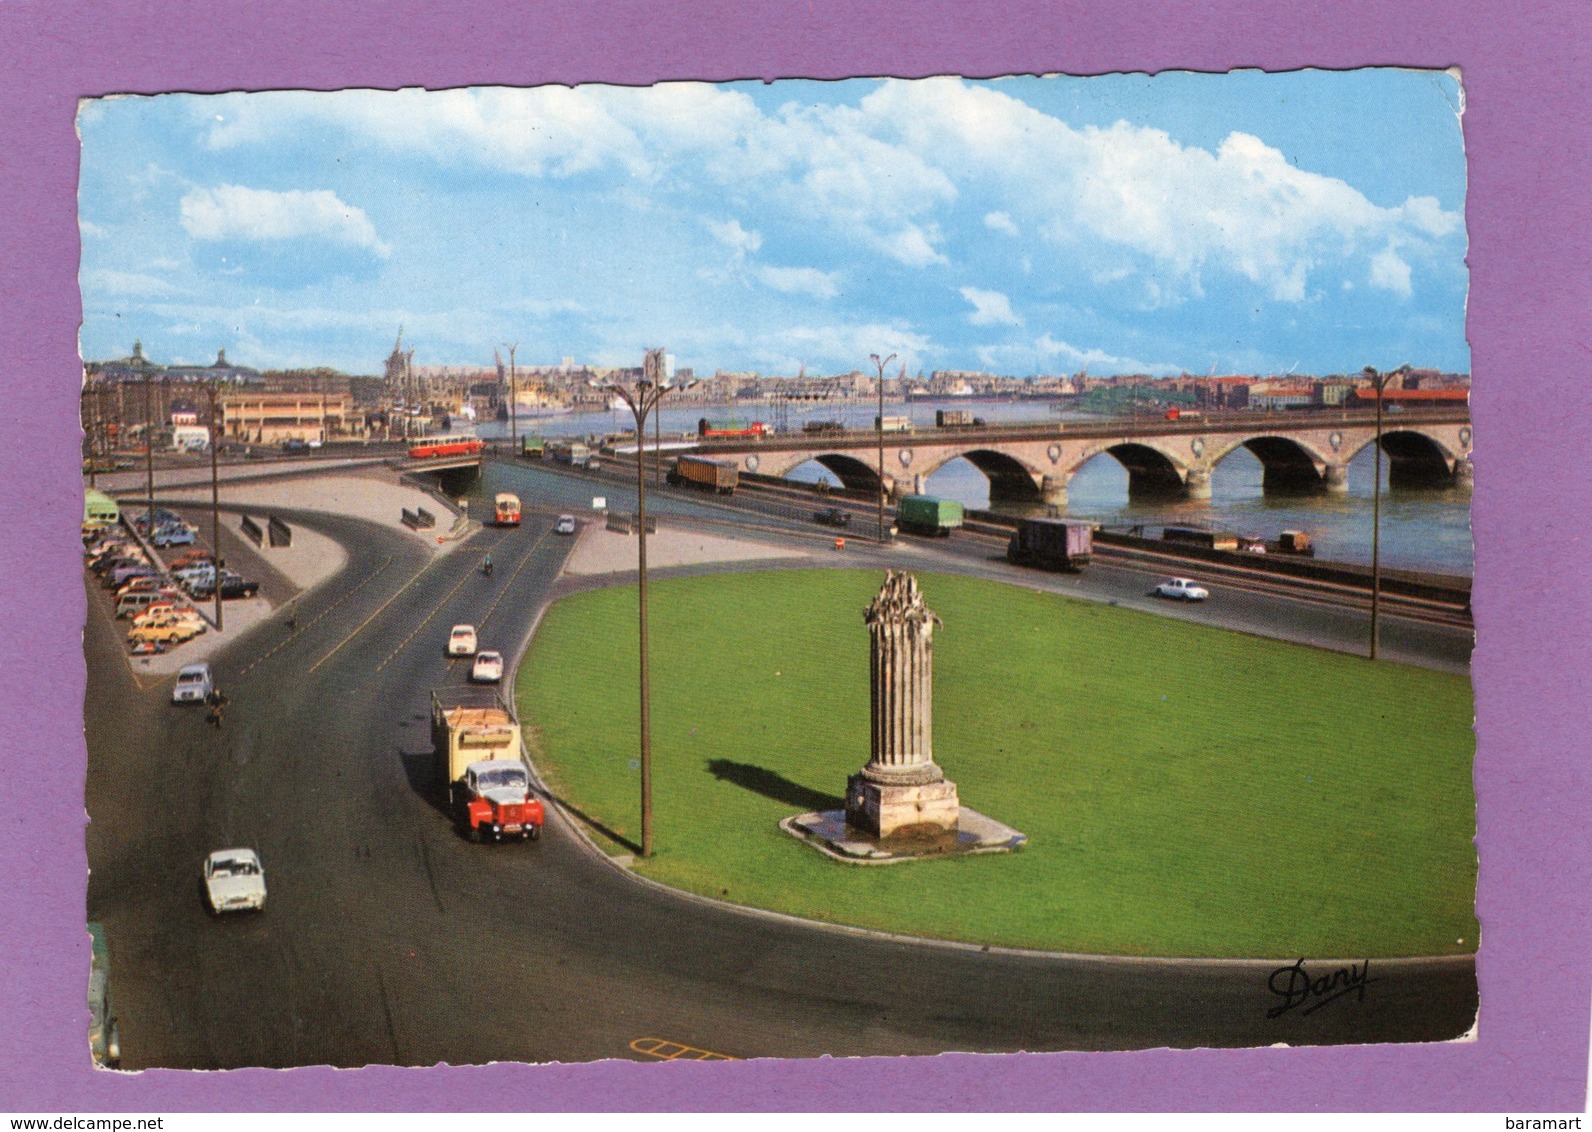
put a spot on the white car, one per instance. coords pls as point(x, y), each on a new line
point(194, 683)
point(488, 668)
point(461, 641)
point(1181, 589)
point(234, 881)
point(565, 525)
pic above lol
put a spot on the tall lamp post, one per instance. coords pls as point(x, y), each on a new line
point(1379, 380)
point(642, 399)
point(514, 400)
point(215, 494)
point(878, 425)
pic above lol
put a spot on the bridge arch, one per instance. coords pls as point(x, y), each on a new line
point(854, 474)
point(1010, 479)
point(1416, 459)
point(1151, 472)
point(1287, 463)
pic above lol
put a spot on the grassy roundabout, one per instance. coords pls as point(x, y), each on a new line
point(1186, 791)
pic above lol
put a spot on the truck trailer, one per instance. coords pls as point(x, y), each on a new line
point(1052, 544)
point(927, 515)
point(571, 452)
point(709, 475)
point(480, 757)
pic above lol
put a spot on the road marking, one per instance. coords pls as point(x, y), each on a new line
point(665, 1050)
point(292, 636)
point(462, 580)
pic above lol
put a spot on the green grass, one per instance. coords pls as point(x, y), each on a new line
point(1186, 791)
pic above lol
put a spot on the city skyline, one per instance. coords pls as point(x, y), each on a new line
point(1307, 222)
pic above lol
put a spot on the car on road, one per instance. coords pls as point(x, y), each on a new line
point(461, 640)
point(1181, 589)
point(488, 668)
point(565, 525)
point(832, 517)
point(234, 881)
point(194, 683)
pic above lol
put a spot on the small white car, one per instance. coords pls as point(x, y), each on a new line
point(194, 683)
point(234, 881)
point(488, 668)
point(1181, 589)
point(461, 641)
point(565, 525)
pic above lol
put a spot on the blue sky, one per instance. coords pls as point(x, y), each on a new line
point(1243, 223)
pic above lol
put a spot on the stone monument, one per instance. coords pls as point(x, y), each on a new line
point(901, 789)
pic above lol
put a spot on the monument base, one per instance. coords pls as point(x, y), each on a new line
point(830, 833)
point(881, 810)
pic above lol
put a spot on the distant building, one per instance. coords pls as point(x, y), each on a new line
point(271, 418)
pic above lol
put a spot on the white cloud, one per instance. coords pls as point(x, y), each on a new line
point(800, 281)
point(1000, 222)
point(237, 212)
point(1390, 272)
point(132, 284)
point(733, 236)
point(990, 308)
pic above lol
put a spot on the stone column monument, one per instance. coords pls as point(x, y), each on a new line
point(901, 788)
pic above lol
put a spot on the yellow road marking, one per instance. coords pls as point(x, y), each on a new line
point(665, 1050)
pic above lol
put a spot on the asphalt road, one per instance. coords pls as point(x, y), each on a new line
point(389, 939)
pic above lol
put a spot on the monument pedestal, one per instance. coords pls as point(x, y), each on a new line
point(882, 809)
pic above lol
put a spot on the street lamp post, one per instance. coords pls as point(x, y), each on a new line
point(514, 400)
point(1379, 380)
point(642, 399)
point(215, 497)
point(878, 425)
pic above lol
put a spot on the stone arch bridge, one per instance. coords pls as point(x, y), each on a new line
point(1305, 451)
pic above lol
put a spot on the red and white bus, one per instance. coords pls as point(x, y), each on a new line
point(508, 509)
point(427, 447)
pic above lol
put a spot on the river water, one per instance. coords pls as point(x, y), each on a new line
point(1421, 528)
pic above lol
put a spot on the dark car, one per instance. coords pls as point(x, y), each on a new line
point(232, 586)
point(295, 445)
point(832, 517)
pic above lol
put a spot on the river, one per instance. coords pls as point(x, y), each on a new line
point(1421, 528)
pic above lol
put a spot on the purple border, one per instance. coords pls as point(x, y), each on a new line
point(1527, 133)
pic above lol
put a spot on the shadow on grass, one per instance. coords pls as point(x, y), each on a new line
point(774, 786)
point(592, 823)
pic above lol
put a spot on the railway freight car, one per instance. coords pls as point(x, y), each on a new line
point(1052, 544)
point(928, 515)
point(709, 475)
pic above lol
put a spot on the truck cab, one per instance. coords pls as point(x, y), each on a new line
point(496, 802)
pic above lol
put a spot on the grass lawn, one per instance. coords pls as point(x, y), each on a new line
point(1186, 791)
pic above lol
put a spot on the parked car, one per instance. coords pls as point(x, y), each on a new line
point(164, 608)
point(121, 575)
point(234, 881)
point(192, 558)
point(565, 525)
point(176, 536)
point(461, 640)
point(165, 634)
point(295, 444)
point(488, 668)
point(194, 683)
point(1181, 589)
point(232, 586)
point(832, 517)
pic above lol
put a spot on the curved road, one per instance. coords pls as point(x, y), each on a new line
point(389, 939)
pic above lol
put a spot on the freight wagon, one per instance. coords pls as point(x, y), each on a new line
point(926, 515)
point(1052, 544)
point(709, 475)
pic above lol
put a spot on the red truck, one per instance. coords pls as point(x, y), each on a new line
point(479, 756)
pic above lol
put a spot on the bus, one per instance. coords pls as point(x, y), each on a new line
point(508, 509)
point(99, 509)
point(426, 447)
